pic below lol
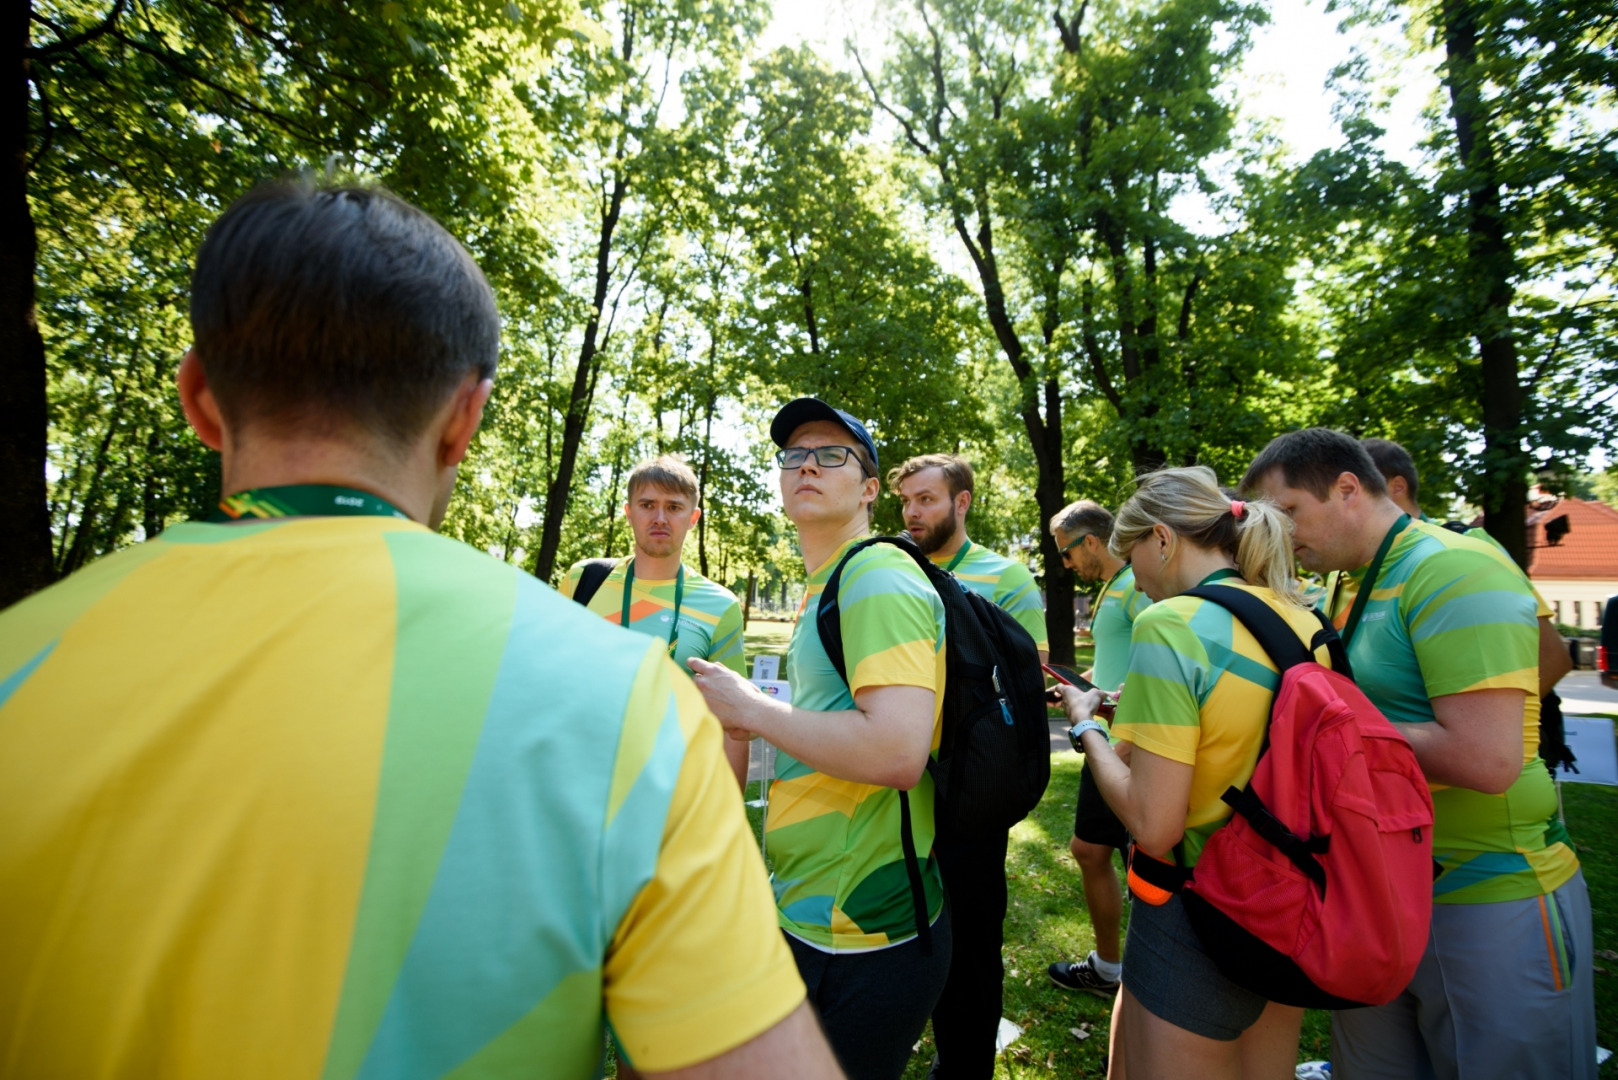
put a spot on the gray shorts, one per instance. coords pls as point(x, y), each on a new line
point(1167, 971)
point(1504, 989)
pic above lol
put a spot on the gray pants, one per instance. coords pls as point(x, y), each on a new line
point(1504, 990)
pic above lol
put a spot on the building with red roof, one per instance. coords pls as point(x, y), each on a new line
point(1573, 557)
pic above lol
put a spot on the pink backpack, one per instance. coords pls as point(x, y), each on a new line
point(1318, 892)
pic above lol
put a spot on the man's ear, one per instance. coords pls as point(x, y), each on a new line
point(963, 503)
point(695, 514)
point(1397, 487)
point(197, 400)
point(465, 414)
point(1348, 485)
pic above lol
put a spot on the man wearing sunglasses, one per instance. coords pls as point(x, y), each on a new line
point(1081, 531)
point(846, 750)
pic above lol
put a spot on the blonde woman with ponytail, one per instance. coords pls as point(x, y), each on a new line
point(1190, 723)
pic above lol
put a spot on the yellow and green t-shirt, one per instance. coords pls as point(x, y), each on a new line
point(1451, 614)
point(840, 879)
point(1199, 691)
point(1112, 625)
point(710, 626)
point(1004, 582)
point(340, 797)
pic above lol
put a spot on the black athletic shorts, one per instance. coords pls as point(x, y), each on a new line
point(1093, 821)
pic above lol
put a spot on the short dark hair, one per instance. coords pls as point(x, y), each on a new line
point(1313, 459)
point(957, 472)
point(339, 307)
point(1392, 460)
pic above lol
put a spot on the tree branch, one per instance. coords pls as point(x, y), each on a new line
point(65, 43)
point(1069, 32)
point(910, 132)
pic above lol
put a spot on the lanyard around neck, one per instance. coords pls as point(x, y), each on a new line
point(1219, 575)
point(1363, 596)
point(959, 555)
point(629, 591)
point(303, 500)
point(1107, 588)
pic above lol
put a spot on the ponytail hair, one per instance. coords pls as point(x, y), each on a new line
point(1255, 533)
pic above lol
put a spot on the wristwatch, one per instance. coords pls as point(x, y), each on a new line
point(1076, 732)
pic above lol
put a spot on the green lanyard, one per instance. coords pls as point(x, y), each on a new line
point(679, 591)
point(1107, 588)
point(959, 555)
point(303, 500)
point(1362, 597)
point(1219, 575)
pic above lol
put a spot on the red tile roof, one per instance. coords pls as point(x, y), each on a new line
point(1588, 550)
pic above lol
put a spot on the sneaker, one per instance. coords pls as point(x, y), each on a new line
point(1081, 976)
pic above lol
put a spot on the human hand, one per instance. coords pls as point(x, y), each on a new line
point(736, 702)
point(1080, 705)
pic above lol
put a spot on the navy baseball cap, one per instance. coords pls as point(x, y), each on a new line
point(794, 414)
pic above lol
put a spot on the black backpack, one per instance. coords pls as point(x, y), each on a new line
point(994, 756)
point(590, 578)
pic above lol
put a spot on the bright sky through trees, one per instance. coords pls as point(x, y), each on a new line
point(1284, 77)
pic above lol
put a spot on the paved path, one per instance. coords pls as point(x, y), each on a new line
point(1582, 692)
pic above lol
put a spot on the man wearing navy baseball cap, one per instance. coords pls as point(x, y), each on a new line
point(842, 890)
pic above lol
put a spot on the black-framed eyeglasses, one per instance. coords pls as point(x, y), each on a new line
point(827, 457)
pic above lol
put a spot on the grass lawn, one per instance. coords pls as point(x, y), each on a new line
point(1047, 921)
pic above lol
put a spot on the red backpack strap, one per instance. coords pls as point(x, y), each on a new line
point(1277, 638)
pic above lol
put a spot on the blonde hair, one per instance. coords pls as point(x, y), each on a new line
point(1190, 503)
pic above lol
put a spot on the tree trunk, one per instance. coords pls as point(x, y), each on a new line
point(578, 410)
point(1490, 265)
point(711, 394)
point(747, 604)
point(1044, 434)
point(25, 538)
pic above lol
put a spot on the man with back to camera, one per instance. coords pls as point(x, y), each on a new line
point(1441, 635)
point(1081, 531)
point(652, 591)
point(1398, 471)
point(936, 494)
point(833, 828)
point(310, 791)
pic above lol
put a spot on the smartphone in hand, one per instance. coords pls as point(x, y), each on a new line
point(1067, 676)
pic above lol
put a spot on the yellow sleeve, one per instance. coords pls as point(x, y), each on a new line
point(698, 965)
point(570, 580)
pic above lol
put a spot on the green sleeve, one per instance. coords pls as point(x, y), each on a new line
point(726, 647)
point(1473, 624)
point(1169, 676)
point(892, 622)
point(1018, 595)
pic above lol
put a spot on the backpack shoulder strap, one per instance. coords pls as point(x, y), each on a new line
point(829, 624)
point(590, 578)
point(828, 617)
point(1275, 636)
